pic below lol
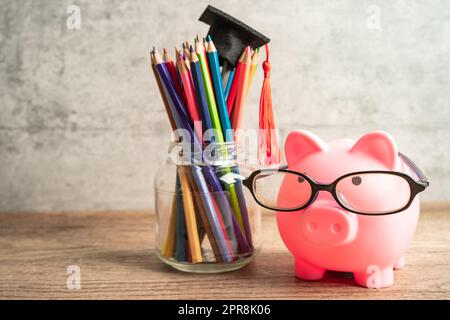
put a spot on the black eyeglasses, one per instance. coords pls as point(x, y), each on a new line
point(363, 192)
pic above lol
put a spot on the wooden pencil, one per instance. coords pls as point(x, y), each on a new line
point(202, 102)
point(189, 94)
point(169, 242)
point(180, 228)
point(229, 82)
point(237, 113)
point(186, 47)
point(191, 223)
point(163, 95)
point(213, 60)
point(253, 66)
point(234, 86)
point(170, 64)
point(199, 50)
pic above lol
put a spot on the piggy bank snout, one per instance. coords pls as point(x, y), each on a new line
point(326, 225)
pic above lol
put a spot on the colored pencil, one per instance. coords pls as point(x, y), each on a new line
point(214, 65)
point(253, 66)
point(169, 242)
point(199, 50)
point(185, 47)
point(202, 103)
point(170, 64)
point(190, 95)
point(234, 86)
point(237, 113)
point(163, 96)
point(243, 208)
point(180, 237)
point(229, 82)
point(191, 223)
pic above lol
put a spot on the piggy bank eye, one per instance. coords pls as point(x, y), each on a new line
point(356, 180)
point(301, 180)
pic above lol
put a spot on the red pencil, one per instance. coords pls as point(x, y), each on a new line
point(173, 73)
point(244, 73)
point(234, 85)
point(192, 107)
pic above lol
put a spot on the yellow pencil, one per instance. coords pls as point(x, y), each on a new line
point(253, 66)
point(167, 250)
point(191, 223)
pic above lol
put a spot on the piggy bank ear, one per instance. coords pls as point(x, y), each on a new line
point(379, 145)
point(302, 143)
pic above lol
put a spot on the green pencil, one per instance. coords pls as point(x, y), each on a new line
point(215, 120)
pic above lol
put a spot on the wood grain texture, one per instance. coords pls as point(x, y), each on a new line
point(115, 253)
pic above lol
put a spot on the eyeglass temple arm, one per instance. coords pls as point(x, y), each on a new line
point(422, 178)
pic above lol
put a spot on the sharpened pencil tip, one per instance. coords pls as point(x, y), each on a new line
point(165, 50)
point(208, 38)
point(191, 48)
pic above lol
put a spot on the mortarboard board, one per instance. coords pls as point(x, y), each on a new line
point(230, 35)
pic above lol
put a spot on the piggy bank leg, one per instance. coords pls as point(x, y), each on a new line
point(305, 271)
point(375, 277)
point(400, 263)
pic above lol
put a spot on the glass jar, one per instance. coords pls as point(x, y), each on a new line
point(206, 220)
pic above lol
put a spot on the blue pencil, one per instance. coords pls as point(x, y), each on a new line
point(214, 68)
point(229, 83)
point(200, 91)
point(180, 238)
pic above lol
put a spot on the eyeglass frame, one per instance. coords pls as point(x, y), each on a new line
point(416, 186)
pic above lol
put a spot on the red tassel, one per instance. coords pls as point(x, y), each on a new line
point(269, 150)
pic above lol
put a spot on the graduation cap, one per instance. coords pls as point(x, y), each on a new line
point(230, 35)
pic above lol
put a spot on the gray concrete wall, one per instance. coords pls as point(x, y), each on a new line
point(82, 125)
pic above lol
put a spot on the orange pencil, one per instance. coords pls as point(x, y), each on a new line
point(243, 76)
point(253, 66)
point(191, 223)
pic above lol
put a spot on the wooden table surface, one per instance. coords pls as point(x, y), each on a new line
point(115, 253)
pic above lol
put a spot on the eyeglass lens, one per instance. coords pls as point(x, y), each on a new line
point(373, 192)
point(281, 190)
point(364, 192)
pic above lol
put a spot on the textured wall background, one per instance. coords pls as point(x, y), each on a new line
point(82, 124)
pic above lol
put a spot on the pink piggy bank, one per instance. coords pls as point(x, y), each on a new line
point(359, 206)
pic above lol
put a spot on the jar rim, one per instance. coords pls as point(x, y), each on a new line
point(211, 154)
